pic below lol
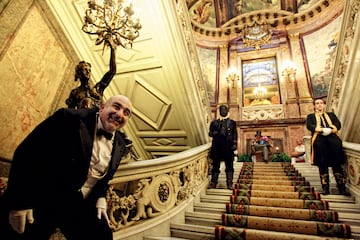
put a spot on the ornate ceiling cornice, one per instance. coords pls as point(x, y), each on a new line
point(281, 20)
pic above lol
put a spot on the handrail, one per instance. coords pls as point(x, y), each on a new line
point(147, 168)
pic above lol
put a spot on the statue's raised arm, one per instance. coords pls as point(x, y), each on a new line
point(108, 76)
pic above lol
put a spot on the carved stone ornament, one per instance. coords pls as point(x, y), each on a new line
point(262, 113)
point(353, 170)
point(256, 35)
point(155, 195)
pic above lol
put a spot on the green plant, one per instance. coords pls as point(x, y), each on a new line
point(244, 158)
point(281, 157)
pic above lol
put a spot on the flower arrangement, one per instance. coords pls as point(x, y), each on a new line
point(244, 158)
point(264, 138)
point(281, 157)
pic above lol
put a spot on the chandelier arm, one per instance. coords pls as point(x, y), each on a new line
point(89, 32)
point(121, 26)
point(118, 39)
point(111, 20)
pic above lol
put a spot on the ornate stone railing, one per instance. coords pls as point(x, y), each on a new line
point(352, 151)
point(154, 190)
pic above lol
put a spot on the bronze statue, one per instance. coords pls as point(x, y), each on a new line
point(86, 95)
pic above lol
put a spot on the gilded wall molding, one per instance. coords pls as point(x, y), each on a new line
point(341, 63)
point(263, 112)
point(183, 16)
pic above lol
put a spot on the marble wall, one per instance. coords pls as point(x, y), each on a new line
point(35, 69)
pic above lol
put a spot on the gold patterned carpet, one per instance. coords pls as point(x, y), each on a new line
point(273, 201)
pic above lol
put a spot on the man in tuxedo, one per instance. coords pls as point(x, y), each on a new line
point(60, 173)
point(224, 143)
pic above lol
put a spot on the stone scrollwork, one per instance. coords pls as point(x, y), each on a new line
point(162, 195)
point(155, 195)
point(342, 63)
point(119, 209)
point(353, 170)
point(189, 186)
point(257, 113)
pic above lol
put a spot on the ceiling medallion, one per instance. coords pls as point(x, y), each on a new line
point(256, 35)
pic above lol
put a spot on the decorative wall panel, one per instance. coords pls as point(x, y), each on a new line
point(320, 48)
point(32, 71)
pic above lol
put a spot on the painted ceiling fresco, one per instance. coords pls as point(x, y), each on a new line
point(213, 13)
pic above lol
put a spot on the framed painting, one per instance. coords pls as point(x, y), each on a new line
point(208, 59)
point(203, 12)
point(320, 49)
point(240, 7)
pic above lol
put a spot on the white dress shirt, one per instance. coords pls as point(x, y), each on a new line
point(100, 159)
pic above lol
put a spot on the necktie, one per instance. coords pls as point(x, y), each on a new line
point(323, 121)
point(102, 132)
point(223, 127)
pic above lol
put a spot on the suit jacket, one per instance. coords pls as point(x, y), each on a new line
point(52, 162)
point(223, 143)
point(311, 121)
point(333, 137)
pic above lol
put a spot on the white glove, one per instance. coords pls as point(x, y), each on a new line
point(326, 131)
point(17, 219)
point(101, 209)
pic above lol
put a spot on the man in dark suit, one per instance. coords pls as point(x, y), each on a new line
point(326, 146)
point(60, 173)
point(224, 143)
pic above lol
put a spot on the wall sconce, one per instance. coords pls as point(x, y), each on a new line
point(111, 19)
point(233, 77)
point(277, 149)
point(289, 72)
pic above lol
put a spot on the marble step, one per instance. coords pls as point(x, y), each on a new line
point(209, 207)
point(192, 231)
point(206, 218)
point(196, 232)
point(209, 214)
point(199, 223)
point(164, 238)
point(203, 218)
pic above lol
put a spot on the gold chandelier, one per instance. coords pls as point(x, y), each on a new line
point(260, 92)
point(111, 19)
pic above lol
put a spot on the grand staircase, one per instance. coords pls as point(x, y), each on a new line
point(210, 212)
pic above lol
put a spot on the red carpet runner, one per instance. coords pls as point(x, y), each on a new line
point(273, 201)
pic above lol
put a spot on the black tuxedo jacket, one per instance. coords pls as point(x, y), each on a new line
point(223, 143)
point(51, 164)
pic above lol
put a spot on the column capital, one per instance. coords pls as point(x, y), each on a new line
point(294, 35)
